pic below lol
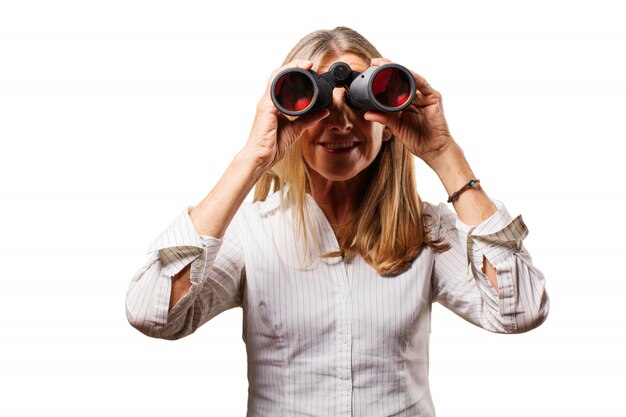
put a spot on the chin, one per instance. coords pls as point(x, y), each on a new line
point(337, 175)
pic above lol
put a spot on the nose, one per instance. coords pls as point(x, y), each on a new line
point(338, 120)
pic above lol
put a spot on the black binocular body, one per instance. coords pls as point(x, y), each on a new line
point(386, 88)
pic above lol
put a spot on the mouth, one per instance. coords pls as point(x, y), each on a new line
point(339, 147)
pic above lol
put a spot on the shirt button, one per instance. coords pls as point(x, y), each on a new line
point(345, 339)
point(344, 295)
point(345, 385)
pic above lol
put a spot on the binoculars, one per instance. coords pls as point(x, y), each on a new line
point(386, 88)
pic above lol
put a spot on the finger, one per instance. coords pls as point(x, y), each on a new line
point(308, 120)
point(296, 63)
point(387, 119)
point(380, 61)
point(422, 85)
point(304, 64)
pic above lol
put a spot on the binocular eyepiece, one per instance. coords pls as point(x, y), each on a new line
point(386, 88)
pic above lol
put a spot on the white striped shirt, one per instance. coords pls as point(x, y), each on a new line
point(327, 336)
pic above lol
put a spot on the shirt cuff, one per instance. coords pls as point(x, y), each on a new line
point(497, 237)
point(180, 244)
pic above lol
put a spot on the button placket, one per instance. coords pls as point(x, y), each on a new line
point(344, 340)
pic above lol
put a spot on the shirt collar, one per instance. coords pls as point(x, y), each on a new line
point(273, 201)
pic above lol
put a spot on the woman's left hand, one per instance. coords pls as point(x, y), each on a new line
point(422, 126)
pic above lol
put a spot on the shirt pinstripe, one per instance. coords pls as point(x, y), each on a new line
point(330, 337)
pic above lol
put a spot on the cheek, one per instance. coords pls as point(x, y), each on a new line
point(310, 136)
point(307, 147)
point(377, 131)
point(375, 139)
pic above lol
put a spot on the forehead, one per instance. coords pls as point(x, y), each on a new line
point(356, 62)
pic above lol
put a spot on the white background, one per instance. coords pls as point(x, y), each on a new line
point(116, 115)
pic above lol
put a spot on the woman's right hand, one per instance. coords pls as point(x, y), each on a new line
point(272, 133)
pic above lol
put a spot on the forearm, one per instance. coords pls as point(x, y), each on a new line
point(214, 213)
point(181, 283)
point(473, 206)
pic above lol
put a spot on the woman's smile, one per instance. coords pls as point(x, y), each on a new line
point(344, 144)
point(339, 146)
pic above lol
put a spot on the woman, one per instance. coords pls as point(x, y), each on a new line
point(337, 262)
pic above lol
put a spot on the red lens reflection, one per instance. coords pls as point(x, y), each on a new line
point(391, 87)
point(294, 91)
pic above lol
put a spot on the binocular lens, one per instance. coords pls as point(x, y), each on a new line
point(387, 88)
point(294, 91)
point(391, 87)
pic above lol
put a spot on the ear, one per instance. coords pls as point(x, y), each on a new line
point(386, 134)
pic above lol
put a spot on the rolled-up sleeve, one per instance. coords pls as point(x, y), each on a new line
point(216, 280)
point(520, 304)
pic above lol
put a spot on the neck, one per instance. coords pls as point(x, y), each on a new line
point(338, 200)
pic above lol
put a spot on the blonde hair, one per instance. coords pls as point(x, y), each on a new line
point(389, 229)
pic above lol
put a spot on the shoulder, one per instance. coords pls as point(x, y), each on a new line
point(439, 218)
point(437, 211)
point(429, 209)
point(259, 210)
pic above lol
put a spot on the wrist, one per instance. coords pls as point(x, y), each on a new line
point(249, 162)
point(453, 169)
point(450, 162)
